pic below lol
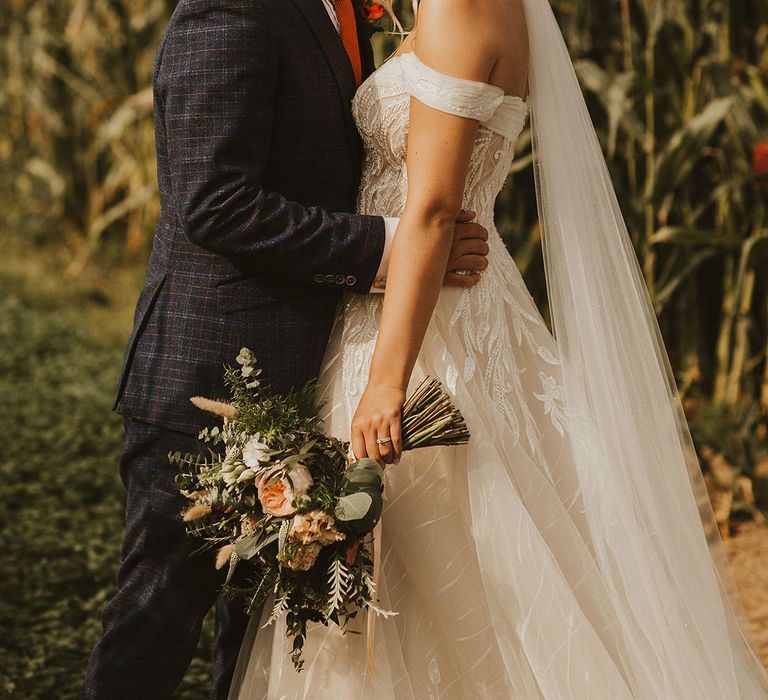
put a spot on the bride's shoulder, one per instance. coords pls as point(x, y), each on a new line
point(481, 40)
point(468, 18)
point(483, 18)
point(458, 37)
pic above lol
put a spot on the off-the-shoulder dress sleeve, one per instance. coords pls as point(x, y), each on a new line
point(457, 96)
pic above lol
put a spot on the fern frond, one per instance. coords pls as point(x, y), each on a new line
point(280, 607)
point(339, 578)
point(369, 585)
point(381, 612)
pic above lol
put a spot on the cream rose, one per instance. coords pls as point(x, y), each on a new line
point(300, 479)
point(276, 495)
point(253, 452)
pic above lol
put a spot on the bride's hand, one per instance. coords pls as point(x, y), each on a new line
point(377, 418)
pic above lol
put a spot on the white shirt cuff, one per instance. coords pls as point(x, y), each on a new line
point(390, 227)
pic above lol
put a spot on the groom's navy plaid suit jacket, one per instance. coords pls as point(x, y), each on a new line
point(258, 159)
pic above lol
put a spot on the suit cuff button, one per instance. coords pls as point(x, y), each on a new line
point(339, 279)
point(319, 279)
point(351, 281)
point(330, 279)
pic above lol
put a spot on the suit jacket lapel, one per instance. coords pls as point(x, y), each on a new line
point(318, 19)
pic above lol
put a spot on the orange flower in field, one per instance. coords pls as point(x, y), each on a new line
point(760, 159)
point(373, 11)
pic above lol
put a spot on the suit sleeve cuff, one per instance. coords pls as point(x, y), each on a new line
point(390, 227)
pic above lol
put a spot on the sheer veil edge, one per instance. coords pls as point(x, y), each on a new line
point(644, 493)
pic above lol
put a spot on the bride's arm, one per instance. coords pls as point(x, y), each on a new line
point(439, 150)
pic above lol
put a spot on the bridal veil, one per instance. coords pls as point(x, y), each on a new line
point(653, 531)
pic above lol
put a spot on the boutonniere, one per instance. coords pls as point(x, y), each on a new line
point(373, 12)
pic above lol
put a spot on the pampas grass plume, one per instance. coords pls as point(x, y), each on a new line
point(197, 511)
point(218, 408)
point(224, 555)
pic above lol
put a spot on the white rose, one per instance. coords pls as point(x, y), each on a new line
point(254, 451)
point(301, 478)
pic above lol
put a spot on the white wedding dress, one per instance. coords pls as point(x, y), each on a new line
point(487, 555)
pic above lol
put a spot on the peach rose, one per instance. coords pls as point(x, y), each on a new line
point(276, 495)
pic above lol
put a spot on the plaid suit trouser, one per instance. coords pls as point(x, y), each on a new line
point(152, 624)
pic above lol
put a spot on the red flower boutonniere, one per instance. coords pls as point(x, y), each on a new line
point(372, 11)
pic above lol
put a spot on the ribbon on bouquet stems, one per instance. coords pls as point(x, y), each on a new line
point(371, 621)
point(375, 544)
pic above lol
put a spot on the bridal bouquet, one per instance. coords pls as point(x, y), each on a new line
point(278, 494)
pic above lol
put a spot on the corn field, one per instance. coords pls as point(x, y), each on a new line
point(678, 90)
point(76, 138)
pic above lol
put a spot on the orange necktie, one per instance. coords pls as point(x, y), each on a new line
point(348, 24)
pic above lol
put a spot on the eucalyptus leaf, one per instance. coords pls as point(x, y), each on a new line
point(248, 547)
point(355, 506)
point(366, 464)
point(292, 459)
point(365, 471)
point(363, 478)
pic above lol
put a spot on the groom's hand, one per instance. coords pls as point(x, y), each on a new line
point(469, 253)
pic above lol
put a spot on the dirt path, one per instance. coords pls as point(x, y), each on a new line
point(748, 552)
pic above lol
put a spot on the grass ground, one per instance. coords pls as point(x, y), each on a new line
point(61, 501)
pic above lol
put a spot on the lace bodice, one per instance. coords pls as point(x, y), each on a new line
point(381, 111)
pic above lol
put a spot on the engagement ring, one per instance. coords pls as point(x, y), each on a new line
point(381, 441)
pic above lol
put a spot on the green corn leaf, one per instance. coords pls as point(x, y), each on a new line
point(684, 149)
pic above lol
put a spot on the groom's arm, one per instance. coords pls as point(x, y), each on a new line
point(215, 85)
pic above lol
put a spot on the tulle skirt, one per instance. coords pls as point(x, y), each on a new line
point(487, 551)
